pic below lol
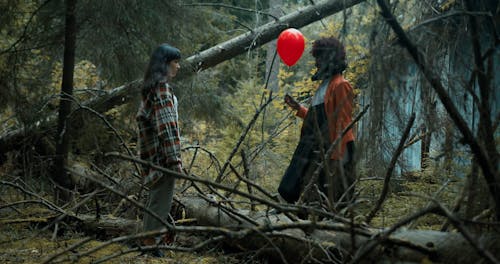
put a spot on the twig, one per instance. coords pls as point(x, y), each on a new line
point(242, 137)
point(233, 7)
point(279, 206)
point(194, 179)
point(229, 211)
point(382, 236)
point(212, 156)
point(417, 138)
point(63, 215)
point(25, 30)
point(193, 249)
point(19, 203)
point(75, 245)
point(276, 248)
point(241, 234)
point(459, 225)
point(456, 207)
point(413, 224)
point(133, 202)
point(450, 14)
point(108, 124)
point(392, 164)
point(248, 182)
point(490, 172)
point(246, 175)
point(332, 147)
point(44, 201)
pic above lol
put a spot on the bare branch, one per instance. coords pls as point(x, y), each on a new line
point(233, 7)
point(489, 171)
point(328, 153)
point(392, 164)
point(63, 251)
point(457, 223)
point(242, 138)
point(379, 238)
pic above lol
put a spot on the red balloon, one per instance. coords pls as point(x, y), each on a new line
point(291, 44)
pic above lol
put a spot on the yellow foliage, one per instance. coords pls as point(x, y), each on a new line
point(447, 5)
point(85, 77)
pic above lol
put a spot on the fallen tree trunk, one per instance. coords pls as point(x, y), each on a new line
point(282, 239)
point(265, 33)
point(328, 241)
point(200, 61)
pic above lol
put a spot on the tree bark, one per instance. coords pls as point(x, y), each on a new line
point(60, 176)
point(265, 33)
point(443, 247)
point(198, 62)
point(322, 240)
point(485, 161)
point(272, 62)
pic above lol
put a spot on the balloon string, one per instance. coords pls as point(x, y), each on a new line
point(270, 71)
point(269, 77)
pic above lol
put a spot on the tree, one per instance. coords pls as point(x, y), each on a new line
point(352, 239)
point(272, 64)
point(486, 157)
point(60, 175)
point(200, 61)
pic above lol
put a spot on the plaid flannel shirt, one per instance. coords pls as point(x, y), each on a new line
point(159, 137)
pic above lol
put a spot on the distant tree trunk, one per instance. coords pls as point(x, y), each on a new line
point(471, 209)
point(485, 160)
point(272, 62)
point(448, 147)
point(376, 118)
point(484, 70)
point(60, 176)
point(425, 144)
point(197, 62)
point(428, 112)
point(441, 247)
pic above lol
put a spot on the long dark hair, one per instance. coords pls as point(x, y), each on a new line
point(333, 57)
point(157, 69)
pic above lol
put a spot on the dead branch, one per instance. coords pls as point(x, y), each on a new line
point(328, 153)
point(197, 62)
point(233, 7)
point(109, 125)
point(242, 137)
point(371, 244)
point(44, 201)
point(279, 206)
point(265, 33)
point(459, 225)
point(489, 171)
point(124, 196)
point(61, 252)
point(390, 169)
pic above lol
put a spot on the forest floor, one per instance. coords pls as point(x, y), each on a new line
point(23, 239)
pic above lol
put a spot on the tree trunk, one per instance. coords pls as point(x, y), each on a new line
point(490, 170)
point(425, 145)
point(62, 136)
point(201, 61)
point(444, 247)
point(265, 33)
point(309, 241)
point(272, 61)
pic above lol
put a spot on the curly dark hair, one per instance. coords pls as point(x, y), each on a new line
point(331, 53)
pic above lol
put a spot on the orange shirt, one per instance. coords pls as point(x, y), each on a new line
point(339, 102)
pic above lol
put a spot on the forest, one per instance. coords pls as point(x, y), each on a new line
point(425, 117)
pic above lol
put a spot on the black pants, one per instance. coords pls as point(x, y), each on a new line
point(335, 180)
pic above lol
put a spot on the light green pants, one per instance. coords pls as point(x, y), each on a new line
point(160, 202)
